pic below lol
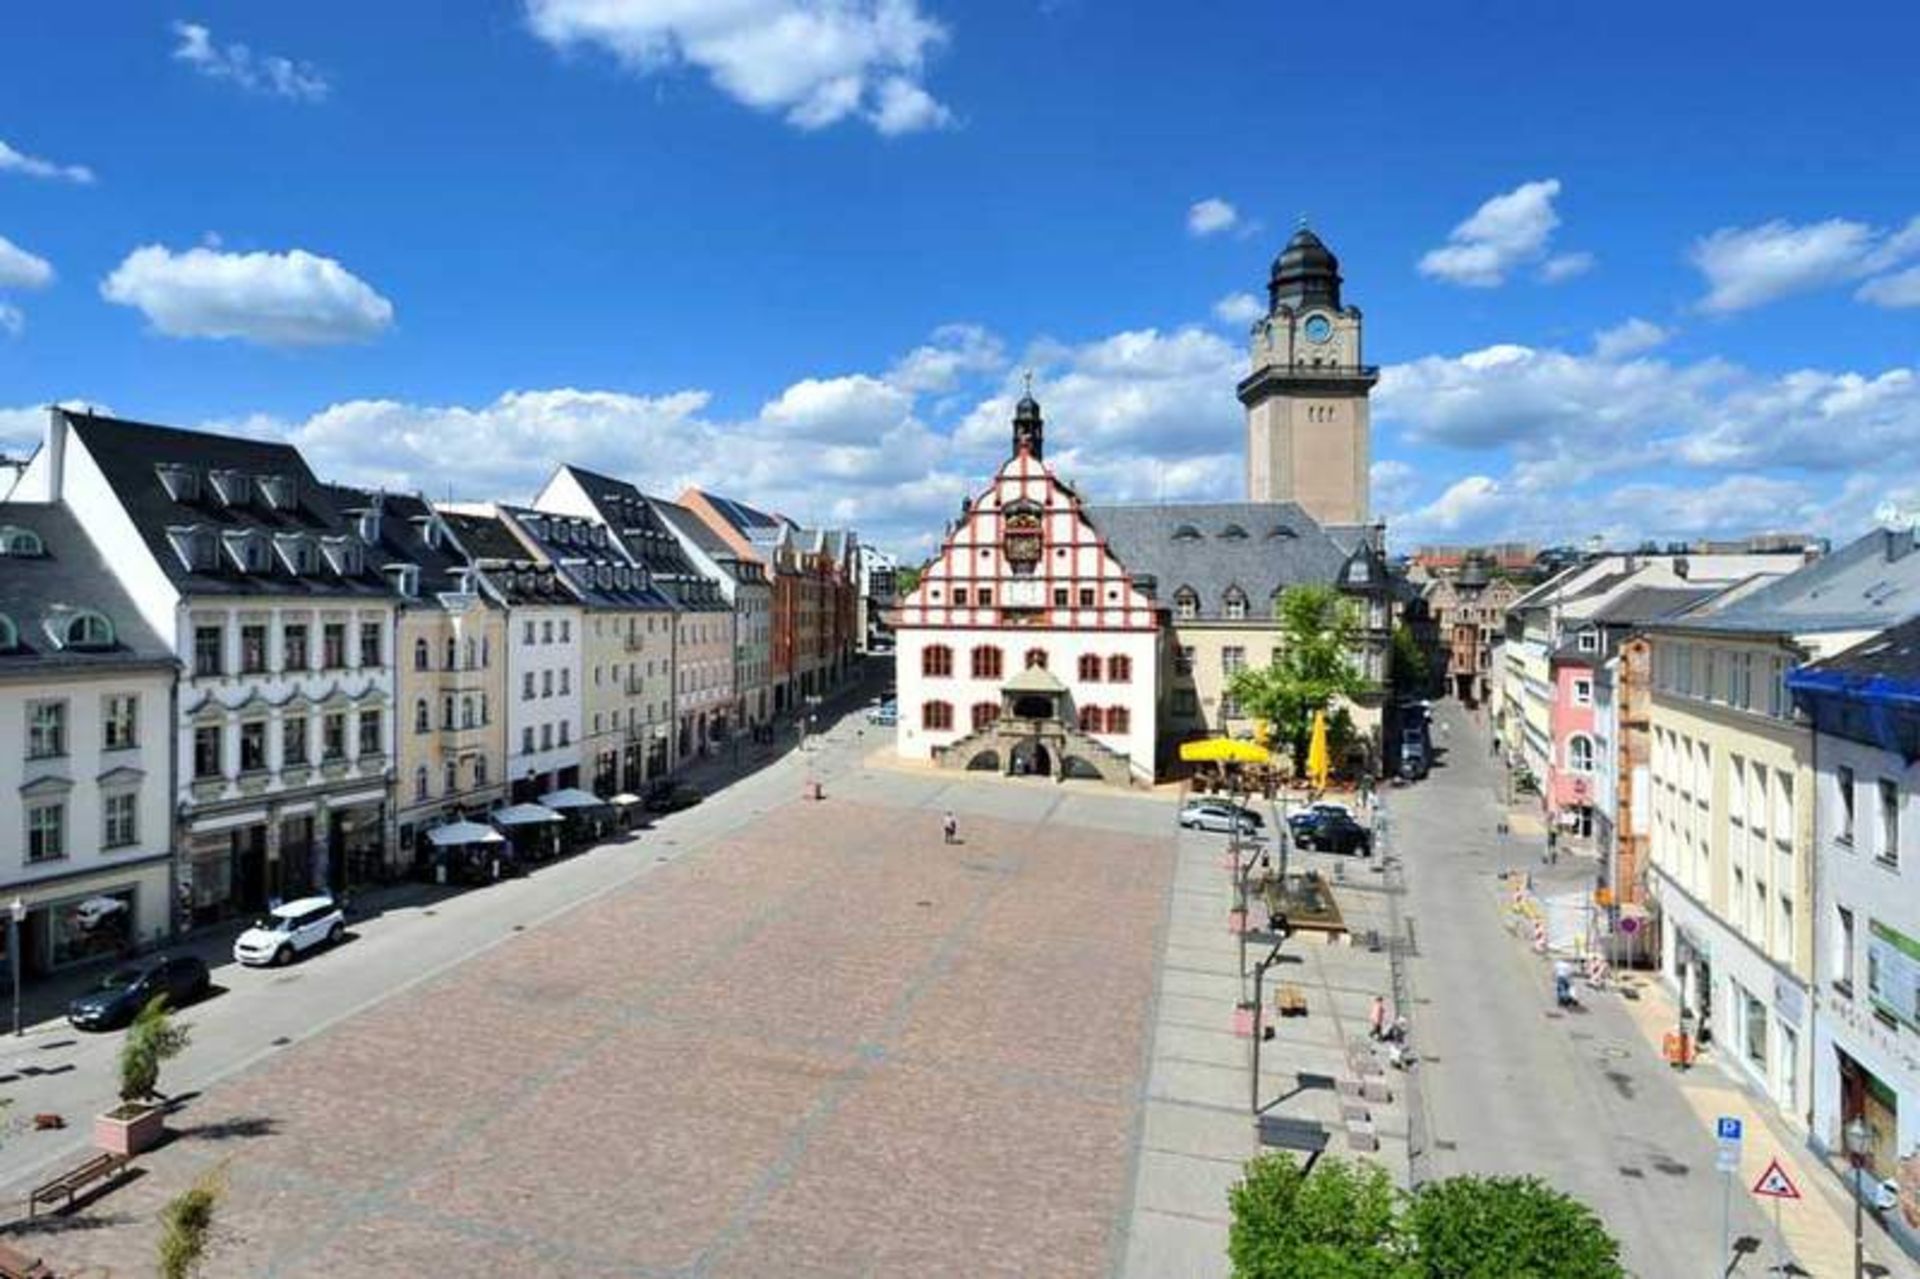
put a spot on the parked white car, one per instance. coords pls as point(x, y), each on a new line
point(289, 930)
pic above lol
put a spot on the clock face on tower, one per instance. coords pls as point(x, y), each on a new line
point(1318, 328)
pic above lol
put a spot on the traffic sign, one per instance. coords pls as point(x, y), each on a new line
point(1775, 1184)
point(1727, 1129)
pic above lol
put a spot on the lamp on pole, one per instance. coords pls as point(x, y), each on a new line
point(1856, 1134)
point(16, 915)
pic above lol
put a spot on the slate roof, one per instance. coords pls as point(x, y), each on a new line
point(516, 574)
point(1893, 655)
point(1194, 545)
point(402, 539)
point(634, 521)
point(695, 530)
point(1645, 604)
point(1869, 584)
point(591, 567)
point(132, 456)
point(39, 594)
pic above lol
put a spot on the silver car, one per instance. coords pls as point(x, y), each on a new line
point(1218, 815)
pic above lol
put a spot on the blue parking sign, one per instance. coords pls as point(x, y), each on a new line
point(1729, 1128)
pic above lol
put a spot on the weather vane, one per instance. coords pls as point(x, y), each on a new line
point(1029, 376)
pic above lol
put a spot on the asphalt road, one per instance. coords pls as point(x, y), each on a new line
point(255, 1012)
point(1510, 1085)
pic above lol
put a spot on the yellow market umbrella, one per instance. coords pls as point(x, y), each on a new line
point(1223, 750)
point(1319, 762)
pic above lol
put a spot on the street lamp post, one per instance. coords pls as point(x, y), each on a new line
point(1856, 1134)
point(16, 915)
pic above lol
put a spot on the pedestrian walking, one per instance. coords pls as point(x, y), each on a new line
point(950, 828)
point(1377, 1017)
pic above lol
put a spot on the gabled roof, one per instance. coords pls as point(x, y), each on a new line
point(513, 570)
point(402, 538)
point(1195, 545)
point(695, 530)
point(231, 500)
point(1868, 585)
point(40, 594)
point(588, 557)
point(636, 523)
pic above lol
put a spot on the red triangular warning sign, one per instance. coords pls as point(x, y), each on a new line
point(1775, 1184)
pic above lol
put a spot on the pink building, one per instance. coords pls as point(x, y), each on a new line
point(1570, 769)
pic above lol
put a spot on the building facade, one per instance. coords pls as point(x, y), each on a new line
point(85, 689)
point(236, 556)
point(743, 583)
point(1864, 706)
point(1026, 615)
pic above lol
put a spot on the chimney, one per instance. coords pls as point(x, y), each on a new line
point(56, 453)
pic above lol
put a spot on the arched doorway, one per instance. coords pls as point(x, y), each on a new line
point(1074, 766)
point(984, 762)
point(1031, 759)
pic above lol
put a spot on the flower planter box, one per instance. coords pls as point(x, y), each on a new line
point(129, 1129)
point(1243, 1021)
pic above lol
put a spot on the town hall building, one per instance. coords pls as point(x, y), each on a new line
point(1051, 636)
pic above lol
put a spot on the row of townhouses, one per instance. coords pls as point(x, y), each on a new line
point(224, 681)
point(1736, 737)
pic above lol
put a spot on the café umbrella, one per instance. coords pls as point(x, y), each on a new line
point(1319, 759)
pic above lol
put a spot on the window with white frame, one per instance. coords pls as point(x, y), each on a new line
point(1843, 781)
point(47, 831)
point(1580, 753)
point(1583, 692)
point(1889, 806)
point(119, 812)
point(46, 730)
point(119, 721)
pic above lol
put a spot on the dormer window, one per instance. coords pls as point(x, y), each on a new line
point(9, 634)
point(1186, 604)
point(1282, 531)
point(1186, 533)
point(1233, 533)
point(248, 551)
point(231, 488)
point(1234, 606)
point(181, 482)
point(16, 541)
point(86, 630)
point(296, 553)
point(196, 547)
point(405, 580)
point(278, 492)
point(343, 556)
point(370, 526)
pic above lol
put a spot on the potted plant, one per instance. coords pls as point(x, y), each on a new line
point(138, 1122)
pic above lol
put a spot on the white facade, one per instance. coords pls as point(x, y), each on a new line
point(544, 669)
point(55, 797)
point(1025, 572)
point(1867, 950)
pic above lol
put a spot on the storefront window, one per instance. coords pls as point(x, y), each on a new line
point(92, 926)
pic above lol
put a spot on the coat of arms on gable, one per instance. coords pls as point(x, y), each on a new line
point(1021, 538)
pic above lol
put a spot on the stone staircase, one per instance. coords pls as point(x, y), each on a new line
point(1062, 742)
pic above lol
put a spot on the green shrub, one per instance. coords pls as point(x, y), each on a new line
point(152, 1039)
point(1507, 1228)
point(186, 1222)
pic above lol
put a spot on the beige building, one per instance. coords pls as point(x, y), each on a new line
point(1309, 425)
point(450, 672)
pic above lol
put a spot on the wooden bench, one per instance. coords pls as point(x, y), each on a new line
point(1290, 1001)
point(71, 1182)
point(15, 1264)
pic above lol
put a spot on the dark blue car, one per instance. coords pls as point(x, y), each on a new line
point(123, 992)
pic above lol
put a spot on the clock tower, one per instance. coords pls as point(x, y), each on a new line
point(1308, 422)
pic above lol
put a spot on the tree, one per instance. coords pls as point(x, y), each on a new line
point(1337, 1223)
point(905, 578)
point(1346, 1220)
point(1313, 667)
point(1412, 671)
point(152, 1039)
point(1507, 1228)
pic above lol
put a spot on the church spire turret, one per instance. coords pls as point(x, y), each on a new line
point(1029, 429)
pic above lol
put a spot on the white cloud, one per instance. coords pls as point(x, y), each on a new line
point(236, 63)
point(817, 62)
point(844, 410)
point(1511, 230)
point(956, 351)
point(1211, 216)
point(274, 299)
point(1747, 267)
point(1902, 289)
point(1629, 337)
point(1238, 308)
point(12, 161)
point(20, 269)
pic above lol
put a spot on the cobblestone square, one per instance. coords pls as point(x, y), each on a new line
point(821, 1044)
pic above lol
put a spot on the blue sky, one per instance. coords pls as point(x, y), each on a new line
point(803, 249)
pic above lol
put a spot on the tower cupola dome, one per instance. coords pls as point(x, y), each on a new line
point(1305, 274)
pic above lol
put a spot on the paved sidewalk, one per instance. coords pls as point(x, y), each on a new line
point(1818, 1228)
point(1198, 1128)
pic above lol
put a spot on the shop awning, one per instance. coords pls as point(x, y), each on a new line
point(524, 815)
point(625, 799)
point(1224, 750)
point(570, 797)
point(455, 833)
